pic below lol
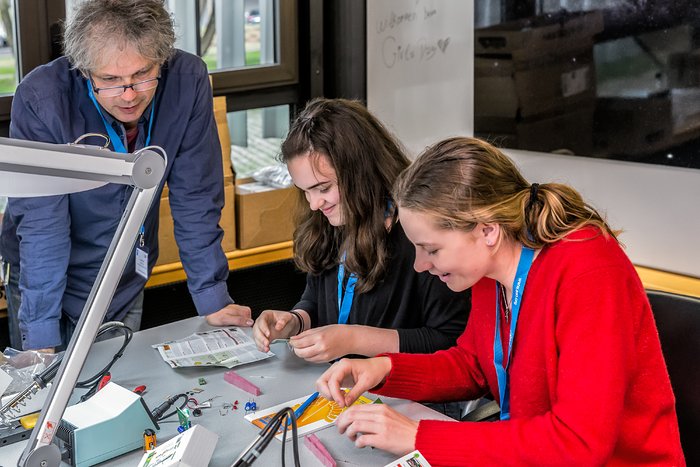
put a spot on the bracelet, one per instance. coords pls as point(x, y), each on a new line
point(301, 322)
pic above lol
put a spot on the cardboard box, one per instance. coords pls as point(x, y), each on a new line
point(167, 247)
point(685, 104)
point(535, 66)
point(504, 88)
point(684, 69)
point(633, 125)
point(570, 132)
point(539, 37)
point(263, 215)
point(224, 135)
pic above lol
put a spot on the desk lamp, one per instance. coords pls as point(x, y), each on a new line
point(40, 169)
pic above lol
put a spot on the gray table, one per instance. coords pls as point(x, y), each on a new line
point(281, 378)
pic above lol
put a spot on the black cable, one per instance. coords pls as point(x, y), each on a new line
point(93, 382)
point(46, 376)
point(291, 417)
point(157, 413)
point(259, 444)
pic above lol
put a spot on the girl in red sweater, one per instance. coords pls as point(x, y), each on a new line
point(560, 333)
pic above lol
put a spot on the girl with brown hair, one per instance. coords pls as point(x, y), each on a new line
point(363, 296)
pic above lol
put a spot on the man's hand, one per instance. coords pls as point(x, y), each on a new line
point(231, 315)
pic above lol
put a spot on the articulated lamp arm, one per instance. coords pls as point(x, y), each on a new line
point(38, 169)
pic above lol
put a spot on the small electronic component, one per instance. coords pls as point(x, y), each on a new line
point(183, 416)
point(149, 439)
point(250, 406)
point(202, 381)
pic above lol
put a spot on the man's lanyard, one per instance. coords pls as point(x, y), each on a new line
point(141, 259)
point(526, 257)
point(116, 140)
point(345, 296)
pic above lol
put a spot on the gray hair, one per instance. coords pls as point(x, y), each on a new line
point(98, 24)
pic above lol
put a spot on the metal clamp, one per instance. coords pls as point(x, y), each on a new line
point(87, 135)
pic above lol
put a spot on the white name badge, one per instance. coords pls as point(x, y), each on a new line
point(142, 262)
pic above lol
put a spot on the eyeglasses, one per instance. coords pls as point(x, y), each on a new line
point(114, 91)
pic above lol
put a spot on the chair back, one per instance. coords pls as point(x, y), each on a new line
point(678, 321)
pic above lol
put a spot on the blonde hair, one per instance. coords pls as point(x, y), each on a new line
point(462, 182)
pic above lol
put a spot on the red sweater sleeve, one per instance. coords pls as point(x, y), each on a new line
point(421, 377)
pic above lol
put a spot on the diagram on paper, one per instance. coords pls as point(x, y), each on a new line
point(320, 414)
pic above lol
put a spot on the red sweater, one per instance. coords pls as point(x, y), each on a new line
point(588, 382)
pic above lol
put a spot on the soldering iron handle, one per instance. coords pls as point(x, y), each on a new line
point(49, 373)
point(158, 412)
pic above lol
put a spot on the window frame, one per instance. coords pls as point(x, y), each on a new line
point(36, 25)
point(283, 73)
point(37, 35)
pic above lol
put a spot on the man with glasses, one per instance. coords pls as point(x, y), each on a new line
point(122, 77)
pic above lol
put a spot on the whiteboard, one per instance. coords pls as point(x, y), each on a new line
point(419, 68)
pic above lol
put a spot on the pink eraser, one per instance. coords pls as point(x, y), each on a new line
point(317, 448)
point(237, 380)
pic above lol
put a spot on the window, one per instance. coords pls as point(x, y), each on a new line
point(605, 78)
point(256, 136)
point(8, 54)
point(250, 48)
point(31, 30)
point(245, 43)
point(227, 34)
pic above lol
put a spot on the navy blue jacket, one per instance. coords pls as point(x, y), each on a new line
point(60, 241)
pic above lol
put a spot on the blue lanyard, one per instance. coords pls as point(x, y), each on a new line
point(116, 140)
point(345, 297)
point(526, 257)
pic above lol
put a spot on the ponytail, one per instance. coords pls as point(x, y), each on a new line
point(552, 210)
point(462, 182)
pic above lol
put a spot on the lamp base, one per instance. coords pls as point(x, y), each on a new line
point(44, 456)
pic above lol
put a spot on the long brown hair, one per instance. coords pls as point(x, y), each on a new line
point(462, 182)
point(367, 160)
